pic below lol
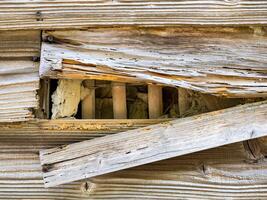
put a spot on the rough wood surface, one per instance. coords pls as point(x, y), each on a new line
point(223, 61)
point(153, 143)
point(233, 171)
point(19, 44)
point(52, 14)
point(219, 173)
point(19, 81)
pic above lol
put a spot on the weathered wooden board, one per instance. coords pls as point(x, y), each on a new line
point(223, 61)
point(19, 44)
point(19, 81)
point(233, 171)
point(153, 143)
point(51, 14)
point(19, 77)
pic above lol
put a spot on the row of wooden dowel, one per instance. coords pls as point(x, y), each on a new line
point(155, 102)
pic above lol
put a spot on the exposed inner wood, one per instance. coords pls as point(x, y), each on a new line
point(155, 104)
point(66, 98)
point(53, 14)
point(223, 61)
point(119, 100)
point(153, 143)
point(88, 102)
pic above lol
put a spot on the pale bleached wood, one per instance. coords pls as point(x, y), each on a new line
point(223, 61)
point(155, 101)
point(226, 172)
point(53, 14)
point(88, 102)
point(153, 143)
point(119, 100)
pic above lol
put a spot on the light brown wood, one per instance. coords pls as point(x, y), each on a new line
point(155, 104)
point(225, 172)
point(20, 44)
point(88, 102)
point(153, 143)
point(19, 79)
point(223, 61)
point(53, 14)
point(119, 100)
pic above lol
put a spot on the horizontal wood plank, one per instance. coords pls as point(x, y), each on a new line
point(223, 61)
point(20, 44)
point(95, 157)
point(53, 14)
point(225, 172)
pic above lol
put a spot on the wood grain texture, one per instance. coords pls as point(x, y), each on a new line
point(52, 14)
point(19, 44)
point(19, 82)
point(226, 172)
point(19, 77)
point(223, 61)
point(153, 143)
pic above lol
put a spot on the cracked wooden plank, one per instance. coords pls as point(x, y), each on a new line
point(124, 150)
point(222, 61)
point(54, 14)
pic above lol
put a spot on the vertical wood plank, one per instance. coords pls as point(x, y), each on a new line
point(119, 100)
point(88, 103)
point(155, 104)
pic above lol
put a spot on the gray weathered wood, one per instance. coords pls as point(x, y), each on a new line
point(223, 61)
point(153, 143)
point(52, 14)
point(228, 172)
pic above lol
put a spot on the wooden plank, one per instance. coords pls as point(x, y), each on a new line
point(19, 79)
point(20, 44)
point(153, 143)
point(223, 61)
point(53, 14)
point(20, 169)
point(226, 172)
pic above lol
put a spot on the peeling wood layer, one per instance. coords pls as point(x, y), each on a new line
point(224, 172)
point(223, 61)
point(52, 14)
point(128, 149)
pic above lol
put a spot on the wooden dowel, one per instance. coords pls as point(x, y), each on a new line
point(155, 104)
point(88, 103)
point(119, 100)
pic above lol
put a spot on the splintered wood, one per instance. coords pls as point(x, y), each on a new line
point(223, 61)
point(91, 158)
